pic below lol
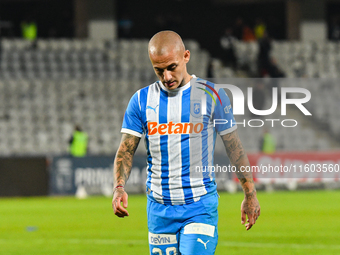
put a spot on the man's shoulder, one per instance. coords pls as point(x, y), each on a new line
point(146, 88)
point(141, 95)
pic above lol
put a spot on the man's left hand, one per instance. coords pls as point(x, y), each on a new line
point(250, 207)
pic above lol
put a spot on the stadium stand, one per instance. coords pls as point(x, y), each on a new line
point(45, 90)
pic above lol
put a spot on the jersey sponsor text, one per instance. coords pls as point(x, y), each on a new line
point(174, 128)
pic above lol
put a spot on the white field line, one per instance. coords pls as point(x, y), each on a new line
point(145, 242)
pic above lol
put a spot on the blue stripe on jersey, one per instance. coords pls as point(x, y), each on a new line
point(185, 147)
point(213, 152)
point(214, 133)
point(143, 101)
point(143, 98)
point(163, 119)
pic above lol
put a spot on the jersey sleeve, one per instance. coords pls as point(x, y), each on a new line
point(223, 114)
point(132, 122)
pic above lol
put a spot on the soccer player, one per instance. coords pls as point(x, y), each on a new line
point(179, 135)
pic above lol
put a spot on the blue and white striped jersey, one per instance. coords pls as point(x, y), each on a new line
point(180, 131)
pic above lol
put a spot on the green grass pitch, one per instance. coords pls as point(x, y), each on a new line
point(305, 222)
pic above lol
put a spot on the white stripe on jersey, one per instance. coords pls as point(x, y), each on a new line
point(175, 149)
point(196, 178)
point(140, 108)
point(155, 144)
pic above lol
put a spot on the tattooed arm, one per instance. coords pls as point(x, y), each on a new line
point(121, 172)
point(238, 158)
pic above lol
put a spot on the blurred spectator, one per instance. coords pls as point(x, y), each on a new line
point(267, 143)
point(238, 28)
point(242, 31)
point(266, 65)
point(29, 30)
point(125, 25)
point(260, 28)
point(264, 52)
point(248, 34)
point(78, 142)
point(228, 48)
point(335, 29)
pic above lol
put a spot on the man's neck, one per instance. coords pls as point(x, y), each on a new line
point(187, 78)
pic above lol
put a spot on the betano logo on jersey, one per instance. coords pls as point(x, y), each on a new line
point(172, 128)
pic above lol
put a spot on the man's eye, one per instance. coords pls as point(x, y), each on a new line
point(172, 68)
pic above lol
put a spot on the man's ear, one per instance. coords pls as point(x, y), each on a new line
point(186, 56)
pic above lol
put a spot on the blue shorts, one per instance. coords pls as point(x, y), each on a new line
point(188, 229)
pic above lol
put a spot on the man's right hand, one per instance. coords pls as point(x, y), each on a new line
point(120, 196)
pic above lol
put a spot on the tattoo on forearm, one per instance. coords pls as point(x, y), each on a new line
point(238, 158)
point(124, 157)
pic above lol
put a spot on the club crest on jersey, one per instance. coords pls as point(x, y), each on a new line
point(195, 108)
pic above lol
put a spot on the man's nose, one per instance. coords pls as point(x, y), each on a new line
point(167, 75)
